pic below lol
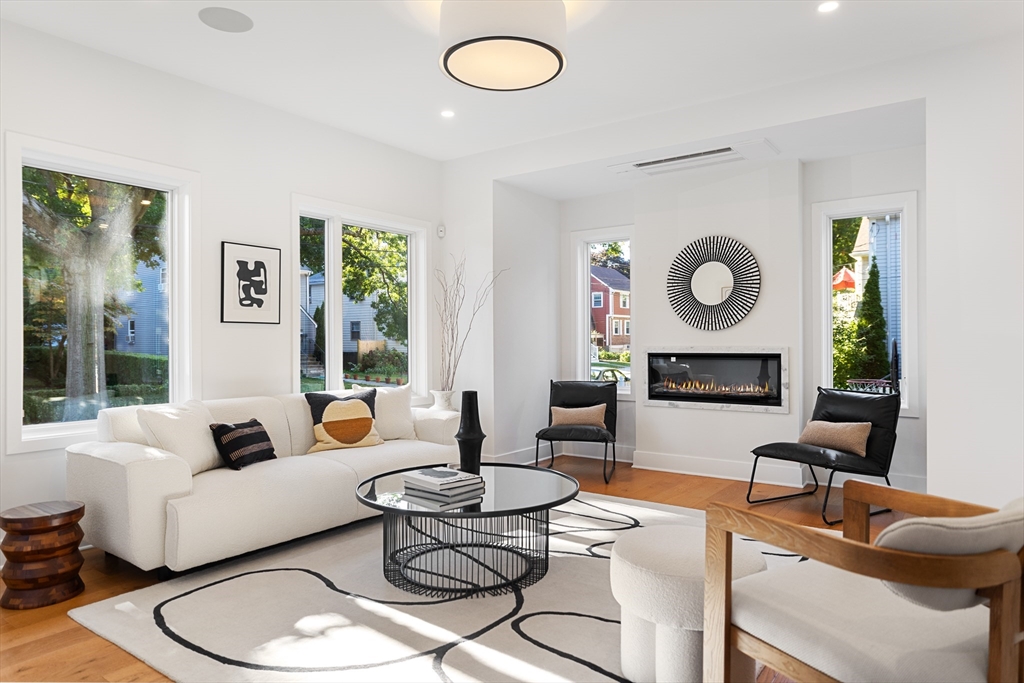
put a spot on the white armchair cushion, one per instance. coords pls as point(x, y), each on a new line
point(1002, 530)
point(183, 430)
point(438, 426)
point(393, 412)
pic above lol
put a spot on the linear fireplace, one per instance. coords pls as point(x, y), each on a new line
point(724, 379)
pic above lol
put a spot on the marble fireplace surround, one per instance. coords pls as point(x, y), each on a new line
point(783, 351)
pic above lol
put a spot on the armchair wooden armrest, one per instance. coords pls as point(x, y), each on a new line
point(998, 571)
point(859, 496)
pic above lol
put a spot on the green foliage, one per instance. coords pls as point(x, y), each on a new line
point(871, 332)
point(844, 238)
point(613, 356)
point(380, 360)
point(625, 357)
point(43, 406)
point(846, 352)
point(373, 262)
point(609, 255)
point(136, 368)
point(320, 343)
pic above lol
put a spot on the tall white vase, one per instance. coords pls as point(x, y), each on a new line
point(442, 400)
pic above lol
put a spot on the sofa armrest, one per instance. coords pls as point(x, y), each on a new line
point(437, 426)
point(125, 488)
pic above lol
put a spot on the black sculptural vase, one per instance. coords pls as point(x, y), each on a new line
point(470, 435)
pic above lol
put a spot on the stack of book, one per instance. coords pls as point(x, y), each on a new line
point(442, 488)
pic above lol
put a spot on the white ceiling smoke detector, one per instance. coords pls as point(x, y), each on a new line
point(503, 45)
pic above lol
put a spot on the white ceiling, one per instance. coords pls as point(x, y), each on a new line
point(857, 132)
point(370, 66)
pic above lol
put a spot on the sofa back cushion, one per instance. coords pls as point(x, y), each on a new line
point(121, 425)
point(183, 430)
point(269, 411)
point(393, 412)
point(1002, 530)
point(300, 420)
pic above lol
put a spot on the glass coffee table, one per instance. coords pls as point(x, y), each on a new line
point(488, 548)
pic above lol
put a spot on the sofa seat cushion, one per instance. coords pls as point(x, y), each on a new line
point(390, 455)
point(231, 512)
point(853, 628)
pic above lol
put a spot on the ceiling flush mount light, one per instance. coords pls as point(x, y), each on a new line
point(447, 113)
point(503, 44)
point(828, 6)
point(224, 19)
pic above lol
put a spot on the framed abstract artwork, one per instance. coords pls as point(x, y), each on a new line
point(250, 284)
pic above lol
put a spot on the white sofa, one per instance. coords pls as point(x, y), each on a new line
point(143, 505)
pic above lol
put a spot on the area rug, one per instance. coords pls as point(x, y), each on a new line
point(319, 609)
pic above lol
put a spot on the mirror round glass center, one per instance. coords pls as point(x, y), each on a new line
point(712, 283)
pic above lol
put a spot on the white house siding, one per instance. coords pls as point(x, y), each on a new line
point(351, 311)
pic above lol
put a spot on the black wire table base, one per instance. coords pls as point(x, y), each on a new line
point(465, 556)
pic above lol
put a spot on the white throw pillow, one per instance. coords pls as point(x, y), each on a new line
point(183, 430)
point(393, 418)
point(1002, 530)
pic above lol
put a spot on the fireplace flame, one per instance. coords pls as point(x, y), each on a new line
point(694, 386)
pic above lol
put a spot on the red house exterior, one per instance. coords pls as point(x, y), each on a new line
point(609, 308)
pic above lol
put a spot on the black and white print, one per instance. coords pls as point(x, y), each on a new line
point(250, 284)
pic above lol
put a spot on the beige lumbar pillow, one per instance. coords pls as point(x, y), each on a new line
point(393, 412)
point(183, 430)
point(591, 416)
point(849, 437)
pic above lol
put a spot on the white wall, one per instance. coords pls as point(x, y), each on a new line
point(526, 316)
point(864, 175)
point(974, 102)
point(758, 205)
point(250, 157)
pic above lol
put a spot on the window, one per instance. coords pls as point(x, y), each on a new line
point(93, 254)
point(867, 272)
point(625, 300)
point(626, 325)
point(371, 291)
point(312, 328)
point(609, 268)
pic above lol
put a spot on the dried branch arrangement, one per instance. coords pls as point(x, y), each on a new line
point(449, 308)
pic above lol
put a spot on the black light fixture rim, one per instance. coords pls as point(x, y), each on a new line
point(550, 48)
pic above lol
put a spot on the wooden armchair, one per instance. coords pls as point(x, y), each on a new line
point(841, 620)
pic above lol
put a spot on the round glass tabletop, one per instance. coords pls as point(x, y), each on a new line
point(508, 490)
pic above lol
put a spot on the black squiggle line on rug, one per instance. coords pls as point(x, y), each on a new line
point(517, 626)
point(438, 652)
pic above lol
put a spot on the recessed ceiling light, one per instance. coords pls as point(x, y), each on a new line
point(146, 202)
point(224, 19)
point(828, 6)
point(447, 113)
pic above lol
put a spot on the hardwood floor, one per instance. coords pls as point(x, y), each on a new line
point(46, 645)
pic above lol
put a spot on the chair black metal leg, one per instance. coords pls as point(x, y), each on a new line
point(552, 463)
point(829, 490)
point(750, 488)
point(536, 455)
point(604, 467)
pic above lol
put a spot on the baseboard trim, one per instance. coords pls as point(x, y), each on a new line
point(595, 451)
point(783, 474)
point(524, 456)
point(907, 482)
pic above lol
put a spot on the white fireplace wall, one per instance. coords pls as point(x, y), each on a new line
point(759, 205)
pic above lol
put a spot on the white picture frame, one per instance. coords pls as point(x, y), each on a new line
point(250, 284)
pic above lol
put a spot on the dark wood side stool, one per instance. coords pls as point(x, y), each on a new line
point(41, 547)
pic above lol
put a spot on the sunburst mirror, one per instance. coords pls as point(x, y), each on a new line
point(713, 283)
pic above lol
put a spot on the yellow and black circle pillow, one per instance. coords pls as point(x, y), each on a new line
point(343, 422)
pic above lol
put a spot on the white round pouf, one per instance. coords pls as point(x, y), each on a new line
point(657, 577)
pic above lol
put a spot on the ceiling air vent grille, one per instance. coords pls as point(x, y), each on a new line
point(685, 157)
point(754, 150)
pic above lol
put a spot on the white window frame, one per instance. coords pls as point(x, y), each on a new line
point(625, 327)
point(352, 328)
point(617, 326)
point(337, 214)
point(184, 256)
point(624, 300)
point(580, 242)
point(822, 215)
point(131, 331)
point(162, 281)
point(597, 299)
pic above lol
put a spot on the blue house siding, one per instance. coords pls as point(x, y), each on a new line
point(361, 312)
point(149, 313)
point(885, 247)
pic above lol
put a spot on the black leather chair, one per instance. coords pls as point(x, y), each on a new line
point(836, 405)
point(578, 394)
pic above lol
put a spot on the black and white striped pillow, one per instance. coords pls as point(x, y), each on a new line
point(243, 444)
